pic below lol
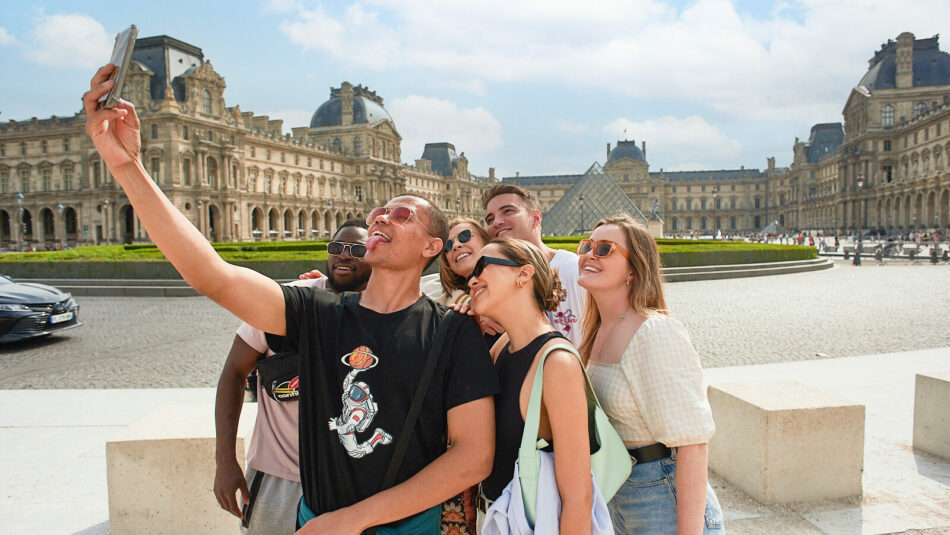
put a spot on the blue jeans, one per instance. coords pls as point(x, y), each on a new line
point(646, 503)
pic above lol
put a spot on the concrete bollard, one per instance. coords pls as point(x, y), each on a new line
point(784, 442)
point(932, 413)
point(160, 472)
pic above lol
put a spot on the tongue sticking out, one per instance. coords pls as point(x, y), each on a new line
point(374, 241)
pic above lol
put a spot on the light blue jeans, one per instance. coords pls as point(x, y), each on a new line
point(646, 503)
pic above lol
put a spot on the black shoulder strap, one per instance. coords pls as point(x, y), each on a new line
point(449, 322)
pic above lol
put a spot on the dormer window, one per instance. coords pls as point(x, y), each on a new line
point(887, 116)
point(206, 101)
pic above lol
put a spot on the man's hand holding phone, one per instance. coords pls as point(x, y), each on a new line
point(114, 132)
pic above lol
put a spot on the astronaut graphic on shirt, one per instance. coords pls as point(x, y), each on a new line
point(359, 408)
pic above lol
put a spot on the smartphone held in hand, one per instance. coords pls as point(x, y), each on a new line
point(121, 57)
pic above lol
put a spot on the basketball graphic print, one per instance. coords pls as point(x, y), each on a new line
point(361, 358)
point(359, 407)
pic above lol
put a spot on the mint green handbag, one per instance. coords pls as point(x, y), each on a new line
point(610, 464)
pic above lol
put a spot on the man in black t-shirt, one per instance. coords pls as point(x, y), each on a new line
point(359, 372)
point(404, 237)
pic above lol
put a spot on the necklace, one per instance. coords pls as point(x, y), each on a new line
point(600, 354)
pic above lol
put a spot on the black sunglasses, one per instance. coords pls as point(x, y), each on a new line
point(463, 237)
point(357, 250)
point(485, 260)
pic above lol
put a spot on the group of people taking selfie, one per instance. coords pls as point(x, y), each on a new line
point(411, 396)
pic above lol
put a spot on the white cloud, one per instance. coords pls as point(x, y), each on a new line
point(422, 120)
point(569, 127)
point(795, 61)
point(6, 38)
point(690, 141)
point(292, 118)
point(281, 6)
point(75, 40)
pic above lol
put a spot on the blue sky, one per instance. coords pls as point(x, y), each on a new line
point(538, 87)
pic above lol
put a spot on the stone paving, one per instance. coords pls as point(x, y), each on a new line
point(136, 342)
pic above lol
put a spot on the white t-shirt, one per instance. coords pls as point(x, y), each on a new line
point(569, 316)
point(274, 447)
point(431, 287)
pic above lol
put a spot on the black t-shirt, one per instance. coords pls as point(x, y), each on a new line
point(512, 371)
point(358, 374)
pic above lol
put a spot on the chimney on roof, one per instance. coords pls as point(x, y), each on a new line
point(608, 150)
point(905, 60)
point(742, 168)
point(643, 144)
point(771, 160)
point(517, 174)
point(491, 172)
point(346, 97)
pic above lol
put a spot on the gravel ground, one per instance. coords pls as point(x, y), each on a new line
point(840, 312)
point(137, 342)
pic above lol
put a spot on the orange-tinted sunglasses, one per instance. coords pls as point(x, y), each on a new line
point(601, 248)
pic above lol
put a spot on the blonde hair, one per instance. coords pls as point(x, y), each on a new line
point(645, 292)
point(548, 292)
point(451, 280)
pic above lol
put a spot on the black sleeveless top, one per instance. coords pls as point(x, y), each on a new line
point(512, 370)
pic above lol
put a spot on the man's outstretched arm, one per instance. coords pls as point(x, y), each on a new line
point(469, 461)
point(251, 296)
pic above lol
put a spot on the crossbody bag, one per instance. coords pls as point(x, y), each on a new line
point(531, 503)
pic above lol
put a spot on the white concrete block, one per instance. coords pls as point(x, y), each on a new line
point(784, 442)
point(932, 413)
point(161, 468)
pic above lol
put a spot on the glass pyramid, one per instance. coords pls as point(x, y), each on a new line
point(594, 196)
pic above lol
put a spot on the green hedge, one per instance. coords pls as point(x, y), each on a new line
point(92, 261)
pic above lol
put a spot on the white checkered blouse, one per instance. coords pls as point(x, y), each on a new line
point(655, 393)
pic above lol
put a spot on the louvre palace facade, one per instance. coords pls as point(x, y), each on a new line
point(238, 178)
point(884, 170)
point(234, 174)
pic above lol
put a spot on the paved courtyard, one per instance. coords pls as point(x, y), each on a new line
point(845, 311)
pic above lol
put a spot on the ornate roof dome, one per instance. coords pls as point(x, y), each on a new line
point(931, 67)
point(626, 149)
point(367, 107)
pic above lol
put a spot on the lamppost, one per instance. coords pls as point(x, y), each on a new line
point(20, 224)
point(581, 199)
point(62, 241)
point(857, 249)
point(715, 214)
point(105, 219)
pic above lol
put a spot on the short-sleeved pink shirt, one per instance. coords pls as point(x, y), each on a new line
point(274, 447)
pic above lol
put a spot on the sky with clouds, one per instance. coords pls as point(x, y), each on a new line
point(536, 87)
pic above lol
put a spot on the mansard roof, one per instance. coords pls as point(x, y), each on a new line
point(931, 66)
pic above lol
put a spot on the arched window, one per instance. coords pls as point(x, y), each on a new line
point(206, 101)
point(920, 108)
point(337, 145)
point(887, 116)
